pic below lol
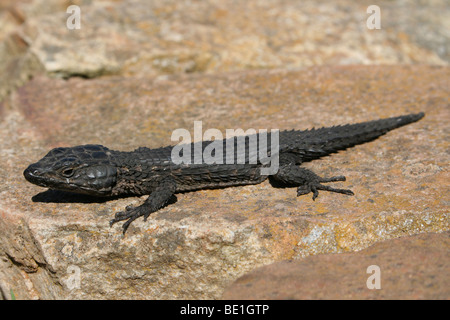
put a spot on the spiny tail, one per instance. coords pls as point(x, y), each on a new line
point(316, 143)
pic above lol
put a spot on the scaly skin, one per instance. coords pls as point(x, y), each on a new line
point(98, 171)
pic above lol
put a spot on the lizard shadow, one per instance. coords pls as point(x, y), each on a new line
point(58, 196)
point(280, 185)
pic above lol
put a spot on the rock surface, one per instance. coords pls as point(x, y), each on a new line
point(165, 37)
point(197, 246)
point(137, 70)
point(413, 267)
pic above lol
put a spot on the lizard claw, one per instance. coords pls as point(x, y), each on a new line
point(158, 198)
point(305, 189)
point(130, 214)
point(314, 186)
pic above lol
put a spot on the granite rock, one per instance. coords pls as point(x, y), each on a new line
point(408, 268)
point(56, 245)
point(132, 37)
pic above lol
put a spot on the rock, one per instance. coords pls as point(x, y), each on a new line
point(56, 245)
point(165, 37)
point(412, 268)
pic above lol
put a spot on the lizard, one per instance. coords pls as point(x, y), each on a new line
point(98, 171)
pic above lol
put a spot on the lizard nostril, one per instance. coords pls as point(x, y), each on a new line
point(31, 172)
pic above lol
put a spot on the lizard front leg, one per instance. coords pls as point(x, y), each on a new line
point(307, 181)
point(155, 201)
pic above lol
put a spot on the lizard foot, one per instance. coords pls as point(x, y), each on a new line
point(157, 199)
point(307, 181)
point(130, 214)
point(315, 185)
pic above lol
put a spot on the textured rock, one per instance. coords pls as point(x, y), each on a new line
point(196, 247)
point(413, 267)
point(165, 37)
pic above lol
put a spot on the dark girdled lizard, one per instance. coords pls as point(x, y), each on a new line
point(98, 171)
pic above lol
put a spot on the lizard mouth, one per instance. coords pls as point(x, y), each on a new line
point(37, 176)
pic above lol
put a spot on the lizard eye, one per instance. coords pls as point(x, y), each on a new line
point(67, 172)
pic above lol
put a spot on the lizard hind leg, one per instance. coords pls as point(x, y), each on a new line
point(307, 181)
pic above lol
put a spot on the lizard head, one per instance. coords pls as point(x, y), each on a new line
point(84, 169)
